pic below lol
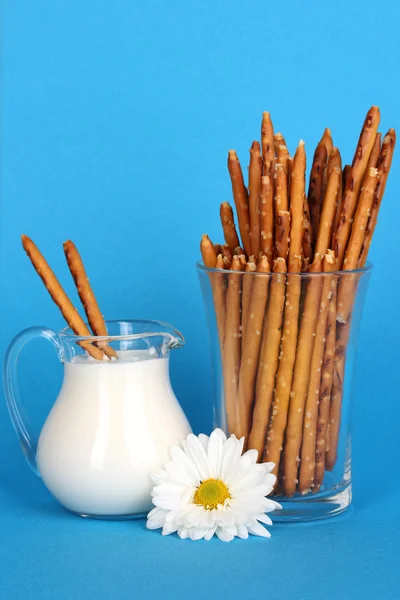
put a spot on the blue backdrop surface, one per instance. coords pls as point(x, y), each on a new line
point(116, 121)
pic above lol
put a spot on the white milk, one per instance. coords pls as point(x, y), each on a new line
point(110, 428)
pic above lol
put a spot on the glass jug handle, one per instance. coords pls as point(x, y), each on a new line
point(28, 439)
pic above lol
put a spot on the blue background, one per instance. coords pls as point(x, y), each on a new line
point(116, 121)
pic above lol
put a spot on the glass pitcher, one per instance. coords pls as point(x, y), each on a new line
point(112, 423)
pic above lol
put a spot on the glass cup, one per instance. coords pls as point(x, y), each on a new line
point(113, 421)
point(283, 349)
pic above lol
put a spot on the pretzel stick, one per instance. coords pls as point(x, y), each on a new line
point(231, 360)
point(296, 206)
point(227, 252)
point(87, 297)
point(282, 229)
point(239, 251)
point(301, 373)
point(328, 211)
point(277, 425)
point(289, 175)
point(327, 141)
point(375, 153)
point(346, 175)
point(251, 348)
point(350, 197)
point(335, 409)
point(335, 161)
point(384, 163)
point(267, 217)
point(267, 144)
point(228, 225)
point(210, 260)
point(281, 200)
point(255, 174)
point(307, 232)
point(269, 358)
point(347, 284)
point(240, 196)
point(59, 297)
point(315, 185)
point(282, 158)
point(307, 463)
point(325, 390)
point(279, 141)
point(246, 294)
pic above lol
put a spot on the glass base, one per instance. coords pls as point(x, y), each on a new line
point(113, 517)
point(312, 507)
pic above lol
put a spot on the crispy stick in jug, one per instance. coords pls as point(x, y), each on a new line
point(251, 266)
point(267, 217)
point(325, 389)
point(307, 456)
point(277, 425)
point(210, 260)
point(240, 196)
point(228, 226)
point(58, 295)
point(255, 174)
point(350, 197)
point(251, 347)
point(87, 297)
point(279, 143)
point(269, 358)
point(315, 185)
point(232, 345)
point(384, 163)
point(267, 144)
point(282, 229)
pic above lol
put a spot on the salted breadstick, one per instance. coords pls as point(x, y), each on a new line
point(218, 248)
point(297, 205)
point(347, 285)
point(307, 232)
point(281, 199)
point(59, 297)
point(315, 186)
point(240, 196)
point(282, 158)
point(294, 430)
point(289, 174)
point(239, 251)
point(251, 347)
point(267, 217)
point(255, 174)
point(227, 252)
point(325, 390)
point(375, 153)
point(350, 196)
point(227, 263)
point(210, 260)
point(269, 358)
point(208, 252)
point(267, 144)
point(346, 175)
point(242, 260)
point(86, 294)
point(384, 163)
point(327, 141)
point(282, 230)
point(232, 344)
point(335, 409)
point(329, 206)
point(279, 141)
point(228, 226)
point(246, 294)
point(307, 457)
point(277, 425)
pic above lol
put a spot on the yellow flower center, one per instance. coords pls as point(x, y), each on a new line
point(210, 493)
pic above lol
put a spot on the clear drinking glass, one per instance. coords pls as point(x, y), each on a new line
point(283, 349)
point(113, 421)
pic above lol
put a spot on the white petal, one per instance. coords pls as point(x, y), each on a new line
point(183, 533)
point(169, 528)
point(257, 529)
point(252, 455)
point(229, 459)
point(203, 439)
point(169, 489)
point(215, 452)
point(264, 519)
point(242, 532)
point(179, 473)
point(223, 535)
point(156, 518)
point(197, 454)
point(182, 459)
point(197, 534)
point(270, 505)
point(208, 518)
point(166, 502)
point(210, 533)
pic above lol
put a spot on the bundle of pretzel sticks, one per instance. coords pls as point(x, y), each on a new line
point(98, 350)
point(283, 337)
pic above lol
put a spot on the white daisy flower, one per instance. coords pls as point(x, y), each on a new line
point(209, 488)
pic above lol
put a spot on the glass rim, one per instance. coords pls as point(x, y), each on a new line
point(67, 333)
point(366, 269)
